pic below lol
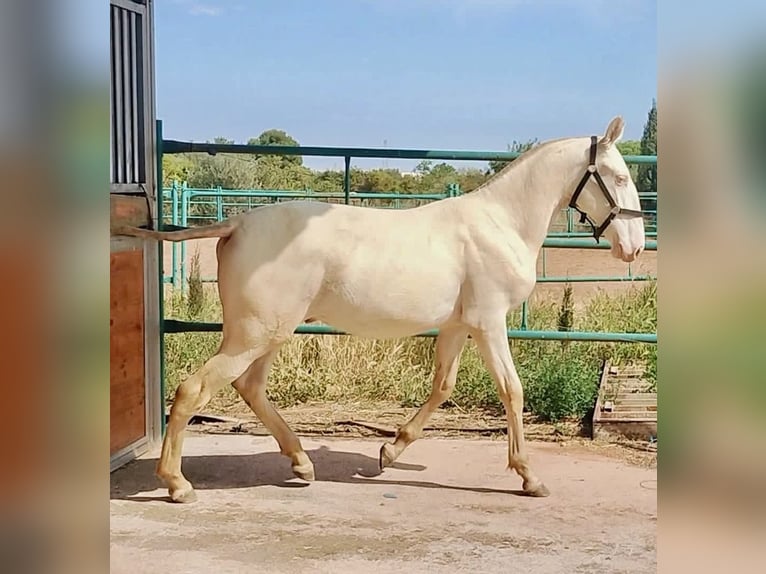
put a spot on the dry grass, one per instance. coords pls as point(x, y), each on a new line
point(560, 380)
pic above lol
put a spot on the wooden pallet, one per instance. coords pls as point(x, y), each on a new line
point(624, 406)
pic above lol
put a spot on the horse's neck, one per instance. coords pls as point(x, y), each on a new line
point(526, 196)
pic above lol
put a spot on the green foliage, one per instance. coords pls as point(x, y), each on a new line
point(176, 167)
point(273, 137)
point(238, 171)
point(651, 372)
point(647, 174)
point(272, 172)
point(228, 171)
point(561, 384)
point(630, 147)
point(328, 181)
point(471, 178)
point(278, 137)
point(566, 311)
point(195, 298)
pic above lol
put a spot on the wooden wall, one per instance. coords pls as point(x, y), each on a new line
point(127, 349)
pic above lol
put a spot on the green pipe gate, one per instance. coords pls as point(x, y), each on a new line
point(180, 217)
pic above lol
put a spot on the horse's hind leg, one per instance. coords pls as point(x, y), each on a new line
point(193, 394)
point(252, 388)
point(449, 345)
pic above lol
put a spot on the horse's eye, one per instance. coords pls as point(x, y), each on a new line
point(621, 179)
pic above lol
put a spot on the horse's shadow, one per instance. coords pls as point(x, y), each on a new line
point(267, 469)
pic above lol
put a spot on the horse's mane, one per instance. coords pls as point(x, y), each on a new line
point(514, 163)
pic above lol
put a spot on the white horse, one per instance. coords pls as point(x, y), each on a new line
point(459, 265)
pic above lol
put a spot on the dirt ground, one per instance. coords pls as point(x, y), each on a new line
point(449, 505)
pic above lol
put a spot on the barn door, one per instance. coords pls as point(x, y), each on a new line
point(134, 319)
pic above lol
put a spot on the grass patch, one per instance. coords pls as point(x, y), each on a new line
point(560, 379)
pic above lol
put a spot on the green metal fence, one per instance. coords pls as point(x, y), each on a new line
point(569, 238)
point(201, 206)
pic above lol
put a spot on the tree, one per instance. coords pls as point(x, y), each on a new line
point(278, 137)
point(516, 147)
point(647, 174)
point(423, 167)
point(271, 172)
point(228, 171)
point(629, 147)
point(176, 167)
point(471, 178)
point(438, 178)
point(328, 181)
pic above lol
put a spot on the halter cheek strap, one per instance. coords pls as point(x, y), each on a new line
point(615, 210)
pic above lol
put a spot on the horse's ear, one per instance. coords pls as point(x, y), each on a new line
point(613, 132)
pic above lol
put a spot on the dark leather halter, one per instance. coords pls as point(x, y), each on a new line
point(616, 210)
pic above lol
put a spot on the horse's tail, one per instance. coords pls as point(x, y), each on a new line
point(222, 229)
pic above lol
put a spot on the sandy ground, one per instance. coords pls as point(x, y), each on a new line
point(448, 506)
point(558, 263)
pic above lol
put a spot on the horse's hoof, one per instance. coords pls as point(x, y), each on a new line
point(183, 496)
point(304, 471)
point(387, 456)
point(538, 490)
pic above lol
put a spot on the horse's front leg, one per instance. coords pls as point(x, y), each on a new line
point(493, 346)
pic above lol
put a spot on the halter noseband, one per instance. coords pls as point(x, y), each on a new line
point(615, 209)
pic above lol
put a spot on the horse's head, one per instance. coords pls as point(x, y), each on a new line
point(607, 197)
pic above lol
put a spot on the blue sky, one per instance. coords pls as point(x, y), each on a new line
point(458, 74)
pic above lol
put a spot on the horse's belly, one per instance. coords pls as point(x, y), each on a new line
point(386, 317)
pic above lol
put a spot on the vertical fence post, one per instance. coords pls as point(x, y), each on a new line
point(174, 221)
point(219, 204)
point(161, 326)
point(570, 222)
point(544, 271)
point(347, 179)
point(184, 223)
point(523, 325)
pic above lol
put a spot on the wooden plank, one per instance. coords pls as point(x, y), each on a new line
point(126, 349)
point(129, 210)
point(634, 430)
point(623, 407)
point(633, 417)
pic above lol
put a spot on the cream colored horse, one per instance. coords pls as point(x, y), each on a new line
point(458, 264)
